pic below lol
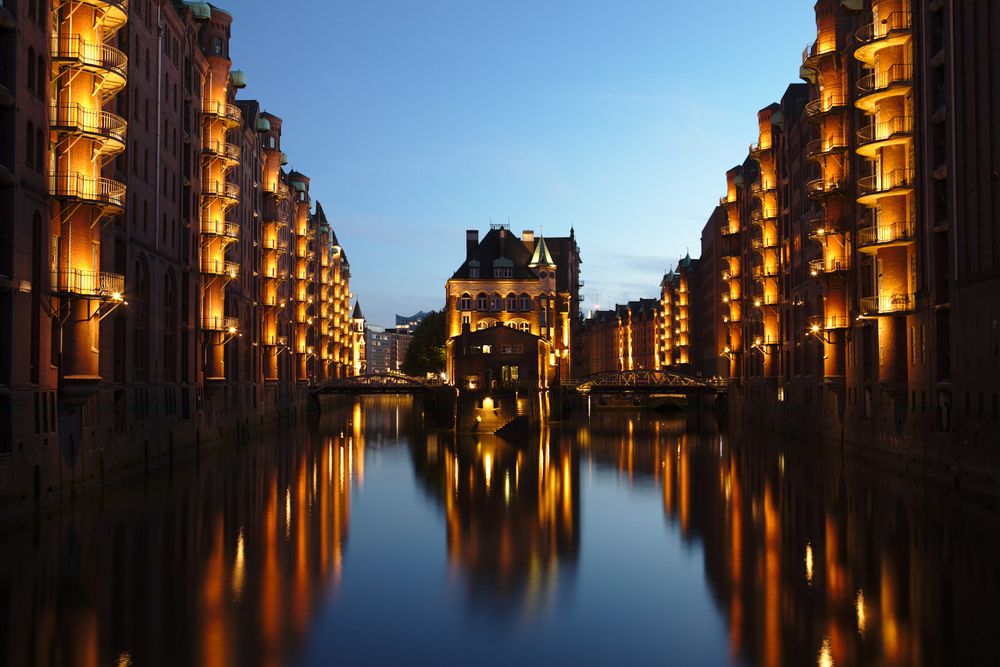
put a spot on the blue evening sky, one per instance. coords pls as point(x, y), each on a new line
point(419, 119)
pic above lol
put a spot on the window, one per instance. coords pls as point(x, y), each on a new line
point(505, 349)
point(487, 349)
point(31, 69)
point(519, 349)
point(525, 302)
point(502, 272)
point(466, 319)
point(473, 271)
point(465, 302)
point(524, 326)
point(509, 373)
point(495, 302)
point(217, 46)
point(482, 324)
point(40, 82)
point(29, 144)
point(481, 302)
point(511, 302)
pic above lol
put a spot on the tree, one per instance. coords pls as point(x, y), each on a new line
point(426, 353)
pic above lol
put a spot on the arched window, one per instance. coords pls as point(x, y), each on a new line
point(40, 73)
point(29, 144)
point(465, 302)
point(41, 154)
point(511, 302)
point(31, 69)
point(140, 333)
point(524, 326)
point(169, 326)
point(217, 46)
point(481, 302)
point(525, 302)
point(495, 302)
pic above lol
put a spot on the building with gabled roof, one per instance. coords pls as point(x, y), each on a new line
point(528, 283)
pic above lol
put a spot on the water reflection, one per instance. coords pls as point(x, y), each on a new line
point(807, 559)
point(512, 514)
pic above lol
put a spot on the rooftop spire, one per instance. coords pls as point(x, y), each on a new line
point(541, 256)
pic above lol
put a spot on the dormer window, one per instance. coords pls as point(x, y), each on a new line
point(502, 272)
point(473, 271)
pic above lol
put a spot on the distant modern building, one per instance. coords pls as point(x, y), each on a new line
point(409, 323)
point(380, 347)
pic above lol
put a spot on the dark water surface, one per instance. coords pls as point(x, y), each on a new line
point(631, 538)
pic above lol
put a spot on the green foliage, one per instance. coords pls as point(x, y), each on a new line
point(426, 353)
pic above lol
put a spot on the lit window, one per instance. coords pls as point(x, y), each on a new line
point(487, 349)
point(524, 326)
point(466, 319)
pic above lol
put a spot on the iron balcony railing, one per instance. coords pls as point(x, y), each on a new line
point(827, 102)
point(887, 304)
point(94, 122)
point(825, 146)
point(824, 44)
point(890, 180)
point(759, 215)
point(223, 110)
point(88, 284)
point(897, 22)
point(222, 189)
point(829, 265)
point(224, 228)
point(765, 243)
point(885, 233)
point(222, 149)
point(879, 81)
point(823, 186)
point(220, 323)
point(219, 267)
point(99, 191)
point(830, 322)
point(763, 272)
point(885, 130)
point(93, 55)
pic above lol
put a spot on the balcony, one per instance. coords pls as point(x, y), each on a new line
point(824, 46)
point(760, 215)
point(761, 273)
point(829, 265)
point(729, 230)
point(891, 183)
point(228, 153)
point(760, 186)
point(103, 127)
point(817, 149)
point(829, 322)
point(893, 30)
point(871, 239)
point(88, 284)
point(831, 102)
point(888, 304)
point(757, 150)
point(228, 231)
point(103, 192)
point(897, 130)
point(227, 113)
point(222, 189)
point(109, 64)
point(764, 244)
point(220, 323)
point(729, 275)
point(821, 187)
point(111, 14)
point(872, 88)
point(218, 267)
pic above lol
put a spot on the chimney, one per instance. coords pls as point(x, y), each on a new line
point(471, 242)
point(528, 238)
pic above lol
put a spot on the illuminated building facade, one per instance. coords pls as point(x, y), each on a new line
point(857, 242)
point(674, 333)
point(528, 283)
point(622, 339)
point(150, 247)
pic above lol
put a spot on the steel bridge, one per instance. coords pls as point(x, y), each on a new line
point(648, 382)
point(376, 383)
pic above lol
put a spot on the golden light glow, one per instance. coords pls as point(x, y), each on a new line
point(809, 563)
point(859, 608)
point(825, 654)
point(239, 566)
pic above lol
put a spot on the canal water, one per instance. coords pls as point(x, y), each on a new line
point(622, 538)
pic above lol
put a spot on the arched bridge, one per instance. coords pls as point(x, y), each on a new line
point(376, 383)
point(648, 382)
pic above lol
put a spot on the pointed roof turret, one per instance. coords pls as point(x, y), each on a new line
point(357, 311)
point(541, 256)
